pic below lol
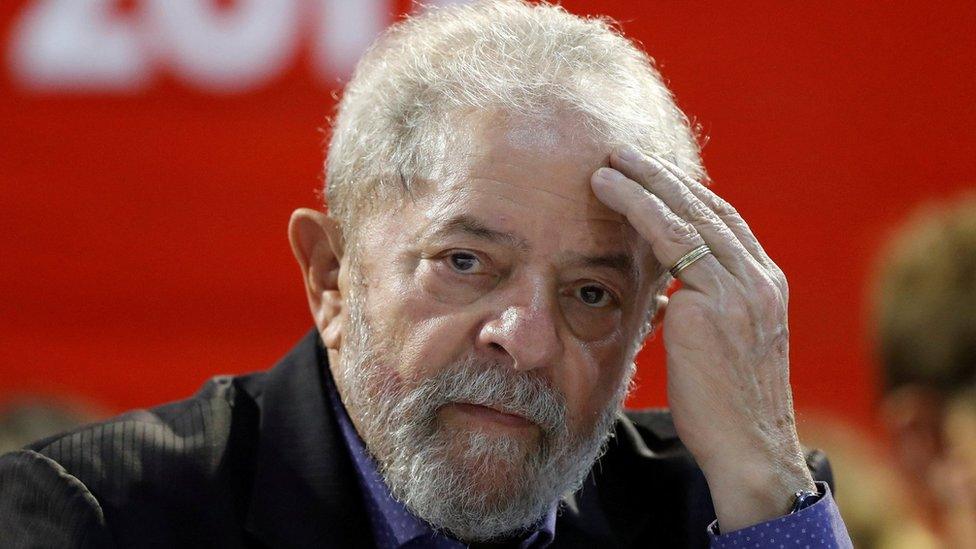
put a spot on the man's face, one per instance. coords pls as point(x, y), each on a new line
point(493, 318)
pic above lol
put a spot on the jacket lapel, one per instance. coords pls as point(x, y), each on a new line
point(304, 492)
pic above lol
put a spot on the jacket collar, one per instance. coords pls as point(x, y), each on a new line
point(304, 492)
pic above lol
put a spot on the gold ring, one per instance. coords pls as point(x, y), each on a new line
point(686, 260)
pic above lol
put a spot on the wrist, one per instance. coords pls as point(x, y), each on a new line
point(745, 493)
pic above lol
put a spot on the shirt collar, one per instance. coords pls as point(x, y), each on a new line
point(393, 525)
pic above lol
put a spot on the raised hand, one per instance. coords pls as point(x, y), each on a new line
point(725, 334)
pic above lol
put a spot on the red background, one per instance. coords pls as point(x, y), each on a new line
point(142, 232)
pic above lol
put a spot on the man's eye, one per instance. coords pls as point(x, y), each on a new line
point(593, 295)
point(463, 262)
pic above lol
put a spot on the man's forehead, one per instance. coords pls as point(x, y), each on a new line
point(545, 161)
point(540, 134)
point(523, 175)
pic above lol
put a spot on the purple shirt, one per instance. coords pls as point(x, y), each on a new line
point(816, 527)
point(394, 527)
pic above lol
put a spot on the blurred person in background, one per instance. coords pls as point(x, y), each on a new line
point(925, 319)
point(865, 470)
point(925, 326)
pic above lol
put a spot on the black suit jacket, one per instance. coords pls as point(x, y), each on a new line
point(258, 461)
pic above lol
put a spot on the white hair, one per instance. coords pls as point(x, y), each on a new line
point(521, 58)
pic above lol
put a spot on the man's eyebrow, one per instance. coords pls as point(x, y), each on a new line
point(620, 262)
point(475, 227)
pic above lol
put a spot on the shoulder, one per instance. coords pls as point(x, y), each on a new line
point(191, 432)
point(41, 503)
point(656, 428)
point(174, 463)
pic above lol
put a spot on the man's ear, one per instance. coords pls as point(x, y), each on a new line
point(317, 242)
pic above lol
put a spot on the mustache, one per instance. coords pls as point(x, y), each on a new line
point(492, 384)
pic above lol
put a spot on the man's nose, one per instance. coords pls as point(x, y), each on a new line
point(527, 331)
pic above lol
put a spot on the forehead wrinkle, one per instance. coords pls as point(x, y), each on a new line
point(618, 261)
point(475, 177)
point(613, 217)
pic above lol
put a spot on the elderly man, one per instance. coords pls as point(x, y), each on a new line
point(511, 190)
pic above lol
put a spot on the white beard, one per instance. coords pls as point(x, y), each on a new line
point(475, 485)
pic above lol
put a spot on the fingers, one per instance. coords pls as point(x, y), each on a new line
point(724, 210)
point(734, 221)
point(669, 235)
point(666, 185)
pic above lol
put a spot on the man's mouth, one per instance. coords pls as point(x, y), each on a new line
point(491, 413)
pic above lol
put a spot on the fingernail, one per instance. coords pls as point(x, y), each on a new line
point(608, 174)
point(628, 153)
